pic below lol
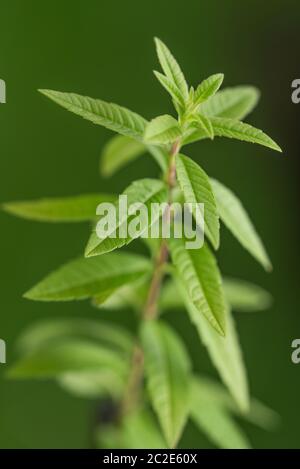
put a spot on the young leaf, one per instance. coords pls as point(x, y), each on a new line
point(68, 209)
point(162, 130)
point(171, 68)
point(145, 191)
point(238, 222)
point(208, 88)
point(225, 351)
point(167, 372)
point(83, 278)
point(113, 117)
point(239, 130)
point(118, 152)
point(231, 103)
point(50, 331)
point(200, 276)
point(245, 296)
point(205, 125)
point(170, 87)
point(196, 188)
point(68, 357)
point(215, 420)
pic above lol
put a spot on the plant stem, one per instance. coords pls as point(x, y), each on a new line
point(132, 392)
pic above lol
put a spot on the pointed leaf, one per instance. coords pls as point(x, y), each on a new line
point(83, 278)
point(118, 152)
point(200, 277)
point(109, 115)
point(162, 130)
point(215, 420)
point(225, 351)
point(68, 209)
point(208, 88)
point(245, 296)
point(196, 188)
point(205, 125)
point(233, 103)
point(66, 357)
point(167, 371)
point(171, 68)
point(238, 222)
point(143, 191)
point(239, 130)
point(170, 87)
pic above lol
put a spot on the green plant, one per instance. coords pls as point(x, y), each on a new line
point(97, 359)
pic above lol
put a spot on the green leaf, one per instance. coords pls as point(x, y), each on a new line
point(208, 88)
point(239, 130)
point(258, 413)
point(225, 351)
point(205, 125)
point(109, 115)
point(215, 420)
point(91, 385)
point(162, 130)
point(132, 295)
point(83, 278)
point(231, 103)
point(143, 191)
point(171, 68)
point(50, 331)
point(244, 296)
point(200, 276)
point(140, 431)
point(196, 188)
point(170, 87)
point(238, 222)
point(167, 372)
point(68, 209)
point(68, 357)
point(118, 152)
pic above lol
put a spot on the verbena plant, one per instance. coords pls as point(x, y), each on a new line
point(97, 359)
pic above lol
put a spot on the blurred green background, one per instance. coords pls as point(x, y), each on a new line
point(105, 50)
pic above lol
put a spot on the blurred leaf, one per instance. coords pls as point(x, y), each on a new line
point(239, 130)
point(245, 296)
point(200, 277)
point(68, 209)
point(167, 371)
point(118, 152)
point(215, 421)
point(162, 130)
point(140, 431)
point(238, 222)
point(242, 296)
point(171, 68)
point(196, 187)
point(93, 385)
point(109, 115)
point(170, 87)
point(233, 103)
point(132, 295)
point(143, 191)
point(68, 357)
point(208, 88)
point(83, 278)
point(52, 330)
point(224, 352)
point(258, 414)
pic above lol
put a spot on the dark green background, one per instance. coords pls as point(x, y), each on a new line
point(105, 49)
